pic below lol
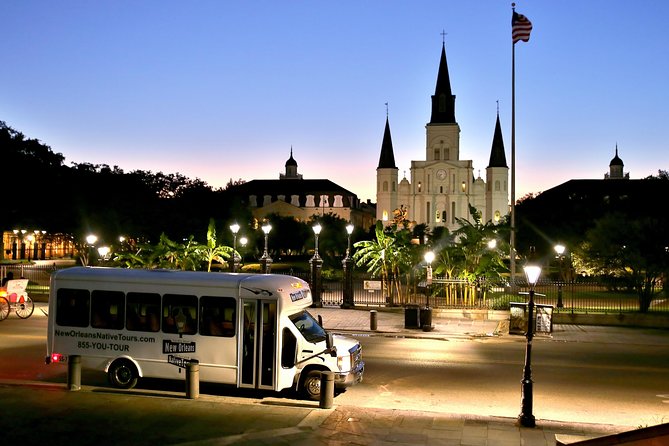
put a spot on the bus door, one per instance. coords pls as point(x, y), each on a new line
point(258, 343)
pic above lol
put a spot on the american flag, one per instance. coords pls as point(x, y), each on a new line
point(520, 27)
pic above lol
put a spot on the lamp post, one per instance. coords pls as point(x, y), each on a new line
point(347, 263)
point(559, 250)
point(426, 313)
point(316, 264)
point(266, 260)
point(91, 240)
point(526, 418)
point(235, 258)
point(242, 241)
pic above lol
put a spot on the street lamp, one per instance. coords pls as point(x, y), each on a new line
point(526, 418)
point(242, 241)
point(559, 250)
point(426, 313)
point(235, 259)
point(316, 264)
point(347, 263)
point(266, 260)
point(91, 240)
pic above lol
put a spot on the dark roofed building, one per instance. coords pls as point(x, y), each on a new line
point(571, 208)
point(293, 196)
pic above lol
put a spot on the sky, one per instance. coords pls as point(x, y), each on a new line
point(222, 89)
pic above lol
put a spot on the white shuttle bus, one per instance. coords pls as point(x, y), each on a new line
point(249, 330)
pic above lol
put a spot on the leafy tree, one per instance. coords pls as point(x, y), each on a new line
point(633, 248)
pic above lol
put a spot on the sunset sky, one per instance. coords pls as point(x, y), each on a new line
point(222, 89)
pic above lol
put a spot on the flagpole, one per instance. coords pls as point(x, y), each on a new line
point(512, 242)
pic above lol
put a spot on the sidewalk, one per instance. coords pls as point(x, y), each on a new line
point(43, 413)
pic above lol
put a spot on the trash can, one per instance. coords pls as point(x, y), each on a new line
point(426, 319)
point(412, 316)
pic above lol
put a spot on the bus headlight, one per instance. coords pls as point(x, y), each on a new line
point(344, 363)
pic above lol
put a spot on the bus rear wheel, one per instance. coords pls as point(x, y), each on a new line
point(123, 374)
point(311, 385)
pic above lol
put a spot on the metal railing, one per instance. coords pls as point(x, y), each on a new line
point(597, 296)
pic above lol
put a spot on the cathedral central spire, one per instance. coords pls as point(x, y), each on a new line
point(443, 100)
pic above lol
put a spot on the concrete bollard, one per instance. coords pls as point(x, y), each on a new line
point(74, 372)
point(327, 390)
point(373, 320)
point(193, 379)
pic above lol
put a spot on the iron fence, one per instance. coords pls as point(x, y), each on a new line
point(597, 296)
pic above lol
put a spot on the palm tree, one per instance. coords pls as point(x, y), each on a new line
point(384, 257)
point(212, 250)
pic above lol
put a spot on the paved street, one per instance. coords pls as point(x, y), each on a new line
point(39, 411)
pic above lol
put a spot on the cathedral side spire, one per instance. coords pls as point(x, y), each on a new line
point(387, 158)
point(497, 155)
point(443, 100)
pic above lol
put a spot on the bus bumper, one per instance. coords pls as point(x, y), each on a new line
point(347, 379)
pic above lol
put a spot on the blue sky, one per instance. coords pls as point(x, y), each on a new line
point(222, 89)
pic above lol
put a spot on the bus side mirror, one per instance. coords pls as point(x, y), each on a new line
point(329, 344)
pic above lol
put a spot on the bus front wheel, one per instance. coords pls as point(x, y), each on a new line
point(311, 385)
point(123, 374)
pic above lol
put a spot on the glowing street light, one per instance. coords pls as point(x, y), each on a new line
point(266, 260)
point(235, 258)
point(559, 250)
point(526, 418)
point(347, 263)
point(426, 313)
point(316, 264)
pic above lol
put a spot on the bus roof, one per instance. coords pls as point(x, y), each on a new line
point(163, 277)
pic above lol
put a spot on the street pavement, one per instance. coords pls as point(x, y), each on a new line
point(47, 413)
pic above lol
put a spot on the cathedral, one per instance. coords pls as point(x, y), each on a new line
point(442, 186)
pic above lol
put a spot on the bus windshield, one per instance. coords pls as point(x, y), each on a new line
point(308, 326)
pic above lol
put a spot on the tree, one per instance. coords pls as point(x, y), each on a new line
point(212, 250)
point(633, 248)
point(386, 257)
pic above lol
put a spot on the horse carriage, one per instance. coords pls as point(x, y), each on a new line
point(13, 297)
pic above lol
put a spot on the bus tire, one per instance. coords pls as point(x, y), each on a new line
point(311, 385)
point(123, 374)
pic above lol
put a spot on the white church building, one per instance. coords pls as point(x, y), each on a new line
point(442, 186)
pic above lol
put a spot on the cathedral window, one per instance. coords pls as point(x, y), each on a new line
point(453, 212)
point(420, 186)
point(436, 154)
point(394, 186)
point(385, 215)
point(447, 154)
point(385, 186)
point(444, 217)
point(497, 185)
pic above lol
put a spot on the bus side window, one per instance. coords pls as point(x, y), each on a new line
point(179, 310)
point(142, 312)
point(217, 316)
point(289, 349)
point(72, 307)
point(107, 309)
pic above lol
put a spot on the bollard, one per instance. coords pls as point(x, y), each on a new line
point(74, 372)
point(373, 318)
point(327, 390)
point(193, 379)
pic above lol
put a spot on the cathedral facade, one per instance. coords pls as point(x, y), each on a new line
point(442, 186)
